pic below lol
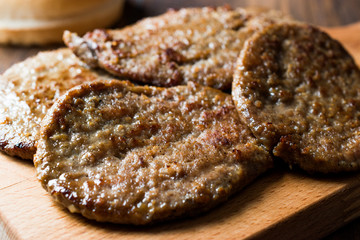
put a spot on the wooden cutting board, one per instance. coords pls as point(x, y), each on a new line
point(279, 205)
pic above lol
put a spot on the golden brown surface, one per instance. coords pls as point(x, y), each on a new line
point(191, 44)
point(298, 90)
point(128, 154)
point(330, 13)
point(27, 91)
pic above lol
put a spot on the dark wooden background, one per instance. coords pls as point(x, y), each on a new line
point(319, 12)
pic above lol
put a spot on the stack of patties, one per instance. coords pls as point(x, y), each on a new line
point(118, 152)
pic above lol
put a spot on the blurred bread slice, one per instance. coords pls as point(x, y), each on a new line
point(37, 22)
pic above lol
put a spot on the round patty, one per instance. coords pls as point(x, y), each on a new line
point(298, 90)
point(121, 153)
point(27, 91)
point(191, 44)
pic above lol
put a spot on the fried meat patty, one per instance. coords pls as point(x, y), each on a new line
point(299, 92)
point(191, 44)
point(121, 153)
point(27, 91)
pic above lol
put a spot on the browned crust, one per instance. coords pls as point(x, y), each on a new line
point(27, 91)
point(240, 151)
point(22, 150)
point(297, 89)
point(190, 44)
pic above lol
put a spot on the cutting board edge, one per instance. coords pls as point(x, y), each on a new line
point(347, 196)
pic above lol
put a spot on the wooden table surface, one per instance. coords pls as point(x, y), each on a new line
point(319, 12)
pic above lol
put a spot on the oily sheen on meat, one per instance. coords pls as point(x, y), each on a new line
point(28, 89)
point(191, 44)
point(299, 92)
point(130, 154)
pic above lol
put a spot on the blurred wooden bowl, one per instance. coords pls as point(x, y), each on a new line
point(39, 22)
